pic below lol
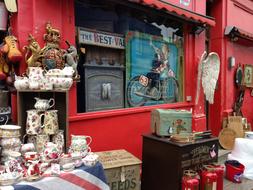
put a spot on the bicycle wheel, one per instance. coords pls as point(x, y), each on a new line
point(170, 90)
point(135, 90)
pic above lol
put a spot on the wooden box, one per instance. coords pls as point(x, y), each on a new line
point(167, 122)
point(163, 161)
point(122, 169)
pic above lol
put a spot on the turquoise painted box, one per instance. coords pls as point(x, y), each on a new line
point(166, 122)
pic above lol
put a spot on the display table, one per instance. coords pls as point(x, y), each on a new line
point(89, 178)
point(163, 161)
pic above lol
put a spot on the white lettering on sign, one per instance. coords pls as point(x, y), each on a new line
point(185, 2)
point(100, 39)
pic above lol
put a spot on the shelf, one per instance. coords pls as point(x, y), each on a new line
point(26, 101)
point(43, 90)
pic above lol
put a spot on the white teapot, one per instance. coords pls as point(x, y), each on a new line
point(68, 71)
point(21, 83)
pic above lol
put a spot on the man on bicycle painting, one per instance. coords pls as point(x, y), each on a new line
point(160, 67)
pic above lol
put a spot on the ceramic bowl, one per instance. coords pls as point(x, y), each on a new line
point(66, 72)
point(31, 156)
point(68, 167)
point(12, 148)
point(12, 154)
point(65, 160)
point(8, 131)
point(249, 135)
point(61, 83)
point(10, 142)
point(90, 160)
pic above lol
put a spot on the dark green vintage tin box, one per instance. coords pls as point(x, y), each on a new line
point(165, 122)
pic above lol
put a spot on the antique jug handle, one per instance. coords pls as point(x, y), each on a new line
point(42, 125)
point(24, 138)
point(89, 137)
point(53, 102)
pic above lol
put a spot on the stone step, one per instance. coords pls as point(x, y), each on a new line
point(222, 155)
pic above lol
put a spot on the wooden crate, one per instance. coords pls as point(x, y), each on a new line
point(167, 122)
point(122, 169)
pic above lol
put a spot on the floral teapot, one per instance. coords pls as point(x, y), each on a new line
point(43, 104)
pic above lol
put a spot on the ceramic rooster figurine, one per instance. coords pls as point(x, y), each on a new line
point(10, 48)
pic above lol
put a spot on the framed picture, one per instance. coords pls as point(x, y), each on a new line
point(152, 69)
point(248, 75)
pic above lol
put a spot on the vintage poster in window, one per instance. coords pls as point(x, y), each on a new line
point(151, 70)
point(248, 75)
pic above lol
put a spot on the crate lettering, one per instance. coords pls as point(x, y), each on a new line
point(126, 185)
point(200, 150)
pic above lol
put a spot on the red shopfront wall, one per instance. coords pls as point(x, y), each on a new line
point(239, 14)
point(112, 129)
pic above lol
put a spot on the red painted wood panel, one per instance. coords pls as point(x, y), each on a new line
point(116, 128)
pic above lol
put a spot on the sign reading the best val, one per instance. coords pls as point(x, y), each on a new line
point(98, 38)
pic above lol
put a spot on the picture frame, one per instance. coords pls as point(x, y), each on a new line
point(248, 75)
point(141, 59)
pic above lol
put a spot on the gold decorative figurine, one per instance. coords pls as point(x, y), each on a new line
point(35, 53)
point(52, 54)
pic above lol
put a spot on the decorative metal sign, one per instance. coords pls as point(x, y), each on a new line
point(98, 38)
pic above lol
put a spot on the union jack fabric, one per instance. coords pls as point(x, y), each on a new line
point(88, 178)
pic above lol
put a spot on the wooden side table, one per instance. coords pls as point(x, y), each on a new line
point(163, 161)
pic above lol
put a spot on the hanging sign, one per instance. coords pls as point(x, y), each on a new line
point(98, 38)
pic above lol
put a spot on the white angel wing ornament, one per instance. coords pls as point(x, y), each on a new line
point(210, 74)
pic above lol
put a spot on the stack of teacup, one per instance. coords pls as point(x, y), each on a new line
point(9, 140)
point(39, 132)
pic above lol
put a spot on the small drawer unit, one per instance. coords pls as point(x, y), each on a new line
point(166, 122)
point(104, 87)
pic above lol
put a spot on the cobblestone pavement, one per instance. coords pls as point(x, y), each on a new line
point(245, 185)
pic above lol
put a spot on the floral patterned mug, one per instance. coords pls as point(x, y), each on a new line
point(51, 126)
point(33, 122)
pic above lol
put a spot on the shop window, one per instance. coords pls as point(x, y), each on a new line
point(131, 57)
